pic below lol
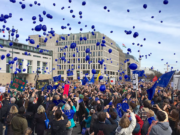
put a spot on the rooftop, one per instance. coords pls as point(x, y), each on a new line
point(24, 47)
point(130, 56)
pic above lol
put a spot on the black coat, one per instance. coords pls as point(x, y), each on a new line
point(59, 127)
point(105, 128)
point(2, 113)
point(39, 121)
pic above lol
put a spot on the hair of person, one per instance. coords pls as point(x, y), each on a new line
point(92, 111)
point(174, 116)
point(99, 108)
point(40, 109)
point(21, 110)
point(13, 109)
point(113, 115)
point(146, 104)
point(161, 116)
point(58, 114)
point(102, 116)
point(159, 99)
point(133, 105)
point(28, 131)
point(124, 122)
point(13, 100)
point(151, 113)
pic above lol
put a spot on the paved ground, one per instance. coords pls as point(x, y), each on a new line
point(76, 130)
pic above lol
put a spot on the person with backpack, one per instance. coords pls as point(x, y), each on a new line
point(100, 127)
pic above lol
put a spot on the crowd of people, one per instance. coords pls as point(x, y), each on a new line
point(119, 110)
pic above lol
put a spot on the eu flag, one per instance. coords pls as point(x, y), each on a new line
point(55, 78)
point(163, 81)
point(59, 77)
point(85, 80)
point(49, 87)
point(92, 80)
point(43, 87)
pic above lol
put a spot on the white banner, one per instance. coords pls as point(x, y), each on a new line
point(135, 81)
point(2, 89)
point(112, 81)
point(25, 65)
point(176, 82)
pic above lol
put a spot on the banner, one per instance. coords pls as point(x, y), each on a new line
point(135, 81)
point(112, 80)
point(176, 82)
point(57, 78)
point(66, 89)
point(18, 84)
point(41, 83)
point(2, 90)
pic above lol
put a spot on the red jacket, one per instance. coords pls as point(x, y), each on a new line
point(1, 97)
point(141, 122)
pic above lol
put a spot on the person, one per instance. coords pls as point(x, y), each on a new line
point(19, 122)
point(143, 111)
point(70, 114)
point(162, 127)
point(12, 103)
point(13, 112)
point(28, 131)
point(88, 120)
point(173, 120)
point(2, 113)
point(39, 119)
point(99, 126)
point(58, 122)
point(126, 126)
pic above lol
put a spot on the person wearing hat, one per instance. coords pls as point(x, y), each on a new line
point(70, 114)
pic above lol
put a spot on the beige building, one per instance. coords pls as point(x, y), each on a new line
point(33, 61)
point(111, 63)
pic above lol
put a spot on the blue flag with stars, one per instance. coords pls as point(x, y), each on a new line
point(163, 81)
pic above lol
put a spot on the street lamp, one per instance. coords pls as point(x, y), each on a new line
point(11, 34)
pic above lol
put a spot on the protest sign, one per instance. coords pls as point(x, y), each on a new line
point(66, 89)
point(2, 89)
point(18, 84)
point(176, 82)
point(112, 80)
point(42, 83)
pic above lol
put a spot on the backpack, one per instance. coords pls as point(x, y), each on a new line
point(100, 132)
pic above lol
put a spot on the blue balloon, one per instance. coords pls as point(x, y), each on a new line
point(120, 78)
point(85, 38)
point(34, 18)
point(133, 66)
point(128, 10)
point(38, 27)
point(87, 58)
point(44, 28)
point(110, 50)
point(23, 6)
point(44, 12)
point(93, 71)
point(70, 1)
point(165, 2)
point(100, 77)
point(145, 6)
point(2, 57)
point(87, 50)
point(8, 55)
point(105, 7)
point(73, 45)
point(71, 11)
point(83, 3)
point(136, 34)
point(32, 41)
point(11, 43)
point(98, 43)
point(74, 55)
point(80, 12)
point(126, 76)
point(102, 88)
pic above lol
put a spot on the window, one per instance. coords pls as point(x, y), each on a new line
point(45, 58)
point(60, 72)
point(86, 72)
point(29, 69)
point(29, 62)
point(8, 69)
point(38, 63)
point(2, 50)
point(36, 56)
point(14, 52)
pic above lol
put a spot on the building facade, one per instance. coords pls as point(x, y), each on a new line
point(130, 59)
point(28, 58)
point(75, 58)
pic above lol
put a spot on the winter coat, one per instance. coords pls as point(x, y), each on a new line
point(59, 127)
point(128, 130)
point(39, 123)
point(19, 124)
point(161, 128)
point(140, 122)
point(105, 128)
point(8, 123)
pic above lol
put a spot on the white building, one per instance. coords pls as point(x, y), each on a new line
point(31, 62)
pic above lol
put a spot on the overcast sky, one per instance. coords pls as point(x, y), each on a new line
point(117, 20)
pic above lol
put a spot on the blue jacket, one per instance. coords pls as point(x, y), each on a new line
point(70, 115)
point(88, 120)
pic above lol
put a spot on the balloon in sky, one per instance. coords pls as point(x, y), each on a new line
point(105, 7)
point(83, 3)
point(23, 6)
point(128, 10)
point(145, 6)
point(120, 78)
point(87, 57)
point(100, 77)
point(98, 43)
point(133, 66)
point(32, 41)
point(126, 76)
point(136, 34)
point(44, 12)
point(165, 2)
point(2, 57)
